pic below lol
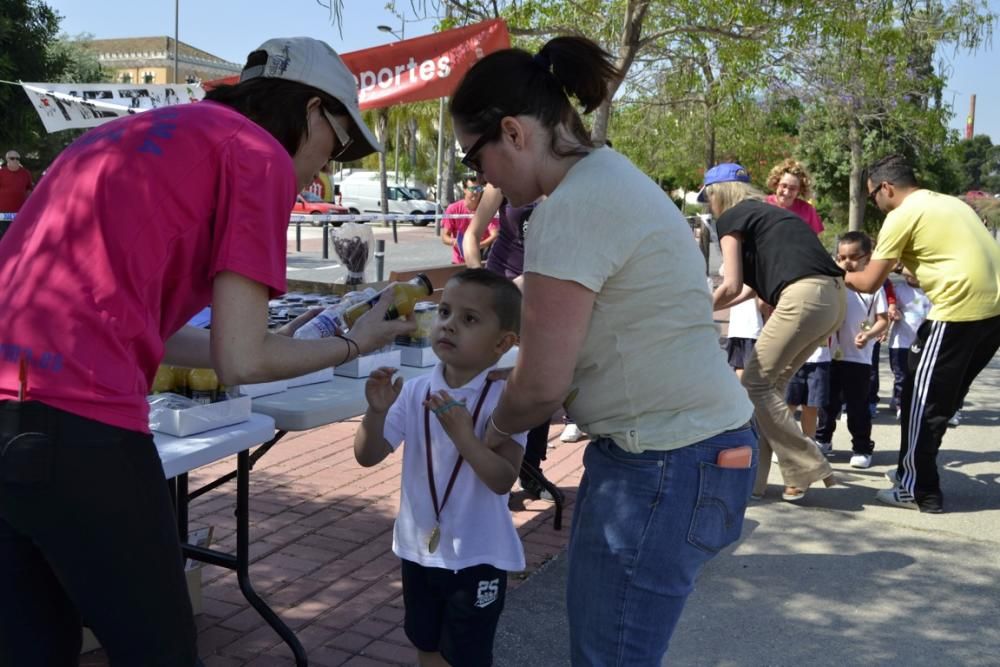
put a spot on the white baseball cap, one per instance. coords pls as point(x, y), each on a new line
point(314, 63)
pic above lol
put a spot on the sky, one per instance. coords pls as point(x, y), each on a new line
point(231, 29)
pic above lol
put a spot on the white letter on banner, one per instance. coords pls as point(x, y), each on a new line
point(384, 77)
point(444, 67)
point(427, 70)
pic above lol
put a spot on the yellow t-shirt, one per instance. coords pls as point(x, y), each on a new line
point(946, 246)
point(651, 375)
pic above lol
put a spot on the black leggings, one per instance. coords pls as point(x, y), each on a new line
point(87, 535)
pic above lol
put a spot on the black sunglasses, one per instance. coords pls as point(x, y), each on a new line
point(469, 161)
point(14, 158)
point(871, 195)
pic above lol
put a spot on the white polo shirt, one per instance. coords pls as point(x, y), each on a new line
point(476, 525)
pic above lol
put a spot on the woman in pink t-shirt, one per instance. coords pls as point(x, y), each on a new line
point(790, 183)
point(140, 224)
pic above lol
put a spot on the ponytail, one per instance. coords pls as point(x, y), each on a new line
point(512, 82)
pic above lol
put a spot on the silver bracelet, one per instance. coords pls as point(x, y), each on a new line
point(498, 429)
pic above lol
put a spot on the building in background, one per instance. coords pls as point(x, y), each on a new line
point(146, 60)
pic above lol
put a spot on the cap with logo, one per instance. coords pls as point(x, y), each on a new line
point(314, 63)
point(726, 172)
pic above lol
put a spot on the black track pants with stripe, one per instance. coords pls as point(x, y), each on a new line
point(943, 361)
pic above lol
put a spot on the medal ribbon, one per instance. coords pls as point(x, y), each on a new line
point(458, 464)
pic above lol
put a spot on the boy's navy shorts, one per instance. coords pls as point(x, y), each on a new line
point(738, 351)
point(454, 612)
point(810, 385)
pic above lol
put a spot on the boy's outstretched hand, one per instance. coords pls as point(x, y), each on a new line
point(453, 415)
point(380, 391)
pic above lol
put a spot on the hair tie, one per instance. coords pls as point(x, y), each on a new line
point(542, 60)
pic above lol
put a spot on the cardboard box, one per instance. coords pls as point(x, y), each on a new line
point(263, 388)
point(420, 357)
point(200, 418)
point(364, 365)
point(322, 375)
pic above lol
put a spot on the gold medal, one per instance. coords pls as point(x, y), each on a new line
point(866, 326)
point(838, 354)
point(434, 539)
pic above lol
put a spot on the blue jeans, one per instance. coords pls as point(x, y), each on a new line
point(643, 527)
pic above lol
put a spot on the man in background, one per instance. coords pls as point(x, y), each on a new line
point(15, 183)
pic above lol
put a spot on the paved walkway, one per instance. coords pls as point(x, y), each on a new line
point(321, 532)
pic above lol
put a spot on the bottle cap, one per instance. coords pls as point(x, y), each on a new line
point(422, 277)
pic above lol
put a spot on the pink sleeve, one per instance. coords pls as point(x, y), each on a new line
point(812, 219)
point(257, 189)
point(494, 226)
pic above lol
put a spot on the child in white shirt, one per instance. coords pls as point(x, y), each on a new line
point(745, 323)
point(454, 532)
point(850, 371)
point(912, 305)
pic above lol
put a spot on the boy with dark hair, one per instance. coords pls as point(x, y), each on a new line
point(867, 318)
point(455, 555)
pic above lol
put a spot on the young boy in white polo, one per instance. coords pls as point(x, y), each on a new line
point(851, 347)
point(454, 532)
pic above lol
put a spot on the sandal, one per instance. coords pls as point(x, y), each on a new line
point(793, 493)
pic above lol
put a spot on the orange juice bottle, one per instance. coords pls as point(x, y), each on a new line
point(180, 380)
point(405, 296)
point(204, 384)
point(163, 381)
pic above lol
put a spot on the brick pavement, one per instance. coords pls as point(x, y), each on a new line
point(321, 537)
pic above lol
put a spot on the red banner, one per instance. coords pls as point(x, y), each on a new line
point(423, 68)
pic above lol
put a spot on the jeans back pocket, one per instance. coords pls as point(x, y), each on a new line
point(722, 501)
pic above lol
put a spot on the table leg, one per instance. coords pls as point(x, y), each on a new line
point(243, 560)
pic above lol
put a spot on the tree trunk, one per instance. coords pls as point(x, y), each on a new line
point(858, 191)
point(635, 13)
point(709, 139)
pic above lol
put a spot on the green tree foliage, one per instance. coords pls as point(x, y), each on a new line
point(33, 52)
point(978, 163)
point(27, 29)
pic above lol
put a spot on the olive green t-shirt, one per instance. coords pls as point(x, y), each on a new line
point(651, 374)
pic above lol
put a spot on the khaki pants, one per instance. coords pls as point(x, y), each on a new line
point(808, 311)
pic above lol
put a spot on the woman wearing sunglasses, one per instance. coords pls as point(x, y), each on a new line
point(138, 225)
point(616, 324)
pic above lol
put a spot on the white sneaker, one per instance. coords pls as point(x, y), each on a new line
point(891, 476)
point(861, 461)
point(897, 497)
point(571, 433)
point(956, 419)
point(826, 448)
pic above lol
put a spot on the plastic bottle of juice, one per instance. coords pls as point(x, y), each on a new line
point(180, 380)
point(331, 320)
point(163, 381)
point(204, 384)
point(405, 297)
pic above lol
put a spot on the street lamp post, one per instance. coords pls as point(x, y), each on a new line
point(176, 26)
point(395, 144)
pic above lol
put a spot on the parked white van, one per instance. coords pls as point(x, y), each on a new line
point(364, 196)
